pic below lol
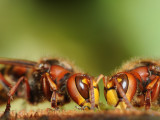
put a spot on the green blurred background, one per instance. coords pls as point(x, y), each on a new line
point(96, 35)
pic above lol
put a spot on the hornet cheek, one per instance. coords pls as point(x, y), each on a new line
point(112, 97)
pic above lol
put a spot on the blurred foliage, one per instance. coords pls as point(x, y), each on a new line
point(96, 35)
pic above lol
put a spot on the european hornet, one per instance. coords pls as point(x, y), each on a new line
point(136, 84)
point(50, 79)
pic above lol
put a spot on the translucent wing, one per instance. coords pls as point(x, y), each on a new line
point(18, 62)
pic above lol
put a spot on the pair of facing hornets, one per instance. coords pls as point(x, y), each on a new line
point(136, 84)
